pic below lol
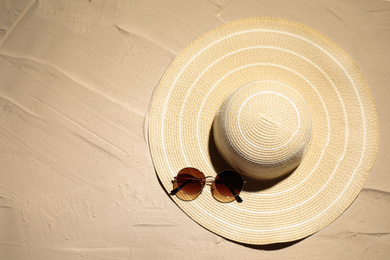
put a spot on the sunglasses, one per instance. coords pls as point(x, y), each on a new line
point(225, 187)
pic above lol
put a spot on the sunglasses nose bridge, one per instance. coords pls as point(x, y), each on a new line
point(209, 179)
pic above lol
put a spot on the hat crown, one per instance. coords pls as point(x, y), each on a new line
point(262, 129)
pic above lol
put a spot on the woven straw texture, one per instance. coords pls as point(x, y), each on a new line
point(262, 129)
point(335, 107)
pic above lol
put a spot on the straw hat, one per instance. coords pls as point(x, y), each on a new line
point(281, 104)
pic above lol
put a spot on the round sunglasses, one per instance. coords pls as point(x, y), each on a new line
point(225, 187)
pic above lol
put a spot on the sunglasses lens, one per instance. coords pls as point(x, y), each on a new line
point(229, 183)
point(190, 180)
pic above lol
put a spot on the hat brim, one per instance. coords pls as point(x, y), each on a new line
point(343, 144)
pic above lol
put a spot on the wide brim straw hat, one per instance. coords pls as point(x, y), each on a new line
point(281, 104)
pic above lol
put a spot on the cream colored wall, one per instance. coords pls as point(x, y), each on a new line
point(76, 79)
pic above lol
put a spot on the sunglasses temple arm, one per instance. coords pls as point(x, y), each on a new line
point(238, 198)
point(174, 191)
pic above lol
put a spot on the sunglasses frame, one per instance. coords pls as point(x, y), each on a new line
point(205, 181)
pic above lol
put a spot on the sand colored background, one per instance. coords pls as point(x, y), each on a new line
point(76, 176)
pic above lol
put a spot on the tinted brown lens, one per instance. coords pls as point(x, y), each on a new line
point(191, 180)
point(228, 181)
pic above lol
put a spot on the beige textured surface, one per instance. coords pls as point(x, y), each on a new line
point(76, 80)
